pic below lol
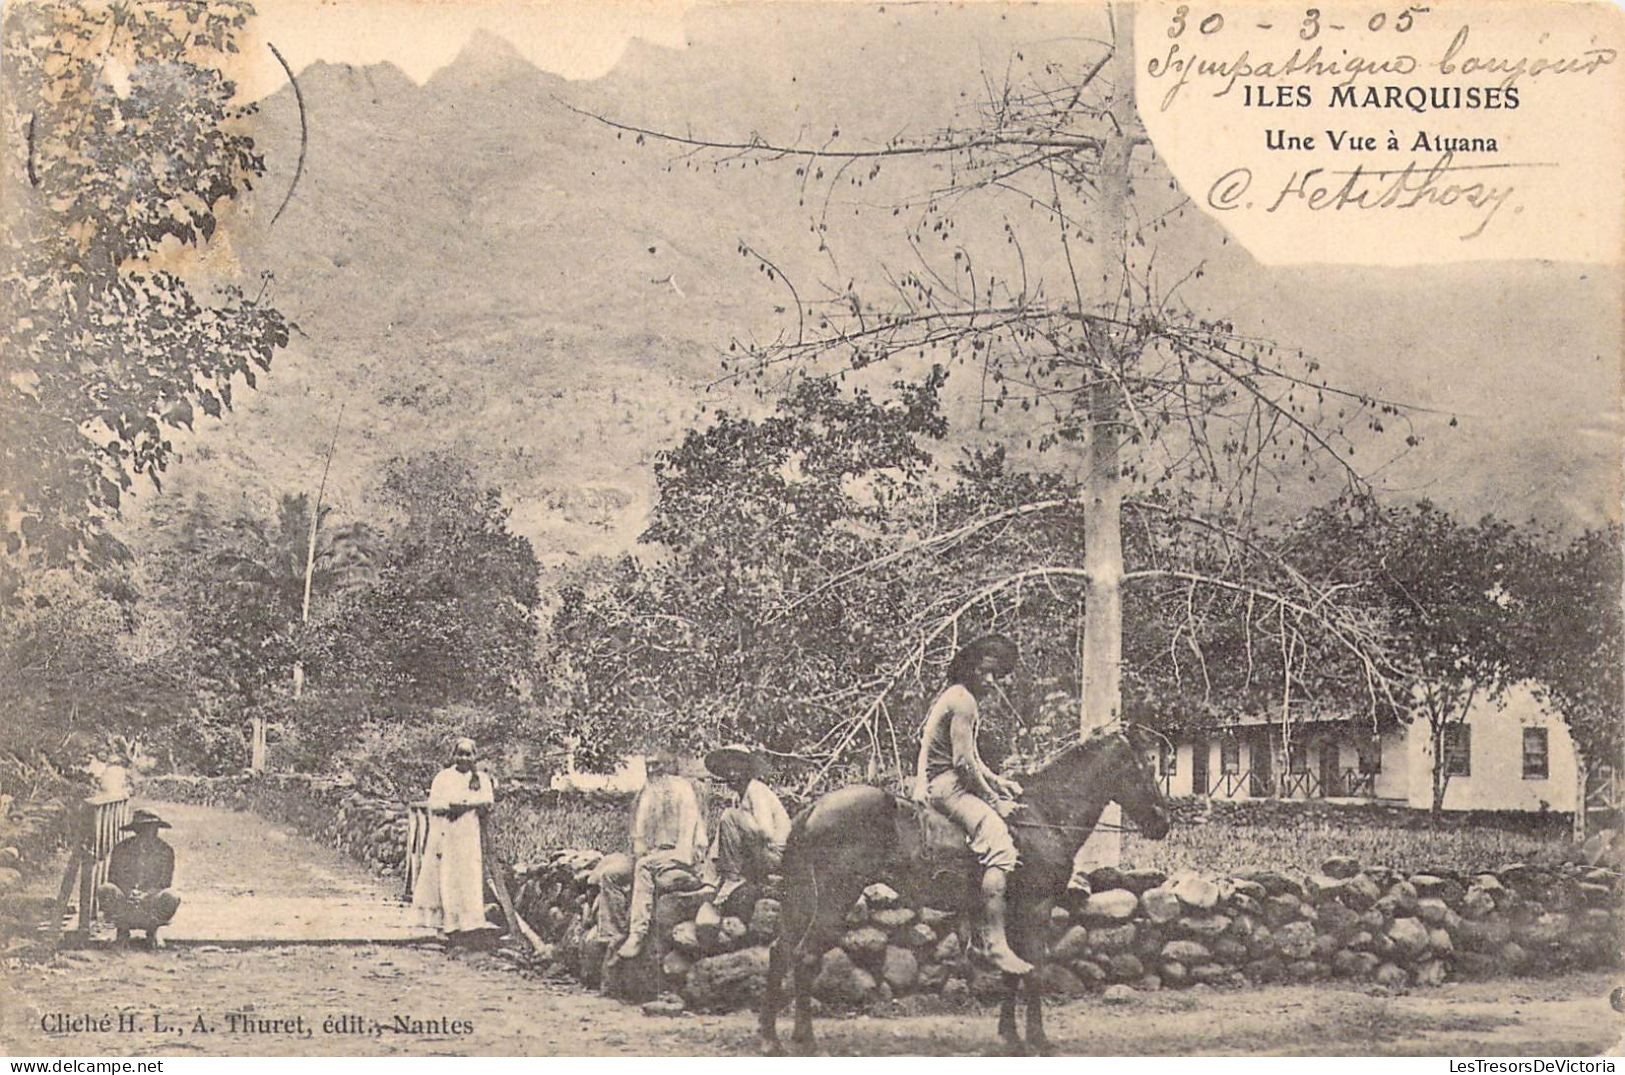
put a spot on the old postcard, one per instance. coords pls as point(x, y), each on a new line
point(557, 529)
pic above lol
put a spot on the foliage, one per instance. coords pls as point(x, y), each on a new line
point(793, 600)
point(419, 619)
point(76, 670)
point(131, 149)
point(707, 642)
point(449, 615)
point(1572, 642)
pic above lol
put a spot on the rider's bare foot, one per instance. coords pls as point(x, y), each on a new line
point(1008, 962)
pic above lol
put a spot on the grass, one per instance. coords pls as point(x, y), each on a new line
point(529, 831)
point(1221, 848)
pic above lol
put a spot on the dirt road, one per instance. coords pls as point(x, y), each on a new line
point(507, 1014)
point(345, 999)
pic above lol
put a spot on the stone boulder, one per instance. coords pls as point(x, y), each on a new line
point(1187, 952)
point(1161, 904)
point(1112, 938)
point(1340, 866)
point(1360, 892)
point(685, 938)
point(1295, 940)
point(1142, 880)
point(881, 897)
point(1431, 886)
point(764, 921)
point(900, 969)
point(1357, 965)
point(841, 983)
point(866, 944)
point(1197, 893)
point(891, 919)
point(728, 981)
point(1275, 883)
point(1113, 905)
point(919, 935)
point(675, 967)
point(1056, 980)
point(1204, 925)
point(1124, 967)
point(1072, 945)
point(1410, 936)
point(731, 934)
point(1281, 909)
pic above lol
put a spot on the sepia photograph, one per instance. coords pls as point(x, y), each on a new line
point(541, 528)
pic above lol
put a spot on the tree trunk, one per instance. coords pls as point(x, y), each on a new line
point(1441, 777)
point(256, 745)
point(1102, 657)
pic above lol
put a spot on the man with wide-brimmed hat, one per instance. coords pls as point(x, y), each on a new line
point(139, 873)
point(668, 845)
point(750, 836)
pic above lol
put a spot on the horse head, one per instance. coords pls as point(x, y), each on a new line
point(1107, 765)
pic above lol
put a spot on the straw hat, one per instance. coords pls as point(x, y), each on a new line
point(142, 818)
point(733, 761)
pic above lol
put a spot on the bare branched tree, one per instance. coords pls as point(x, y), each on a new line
point(1036, 247)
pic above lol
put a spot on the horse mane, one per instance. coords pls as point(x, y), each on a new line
point(1096, 738)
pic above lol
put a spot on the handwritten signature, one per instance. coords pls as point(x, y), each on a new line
point(1440, 185)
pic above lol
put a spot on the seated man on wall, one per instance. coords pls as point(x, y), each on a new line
point(668, 845)
point(139, 873)
point(750, 836)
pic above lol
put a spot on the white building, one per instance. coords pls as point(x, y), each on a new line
point(1511, 755)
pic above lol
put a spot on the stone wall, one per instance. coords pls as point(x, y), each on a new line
point(1139, 929)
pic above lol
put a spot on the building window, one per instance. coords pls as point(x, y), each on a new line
point(1535, 765)
point(1229, 754)
point(1297, 758)
point(1370, 751)
point(1458, 750)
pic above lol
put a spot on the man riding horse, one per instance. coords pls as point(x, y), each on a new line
point(952, 777)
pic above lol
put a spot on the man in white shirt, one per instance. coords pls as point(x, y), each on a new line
point(752, 835)
point(668, 843)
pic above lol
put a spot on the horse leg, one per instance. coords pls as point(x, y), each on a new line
point(768, 1024)
point(806, 970)
point(1028, 938)
point(1038, 1042)
point(1007, 1015)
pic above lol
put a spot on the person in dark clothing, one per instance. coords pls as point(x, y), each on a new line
point(139, 873)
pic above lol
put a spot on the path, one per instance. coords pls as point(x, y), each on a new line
point(245, 880)
point(195, 991)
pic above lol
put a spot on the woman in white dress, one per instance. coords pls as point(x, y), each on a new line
point(450, 890)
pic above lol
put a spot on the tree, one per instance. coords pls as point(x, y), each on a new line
point(127, 147)
point(703, 641)
point(1451, 596)
point(1571, 645)
point(241, 581)
point(76, 672)
point(1034, 282)
point(450, 613)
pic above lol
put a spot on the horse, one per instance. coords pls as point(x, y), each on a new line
point(850, 838)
